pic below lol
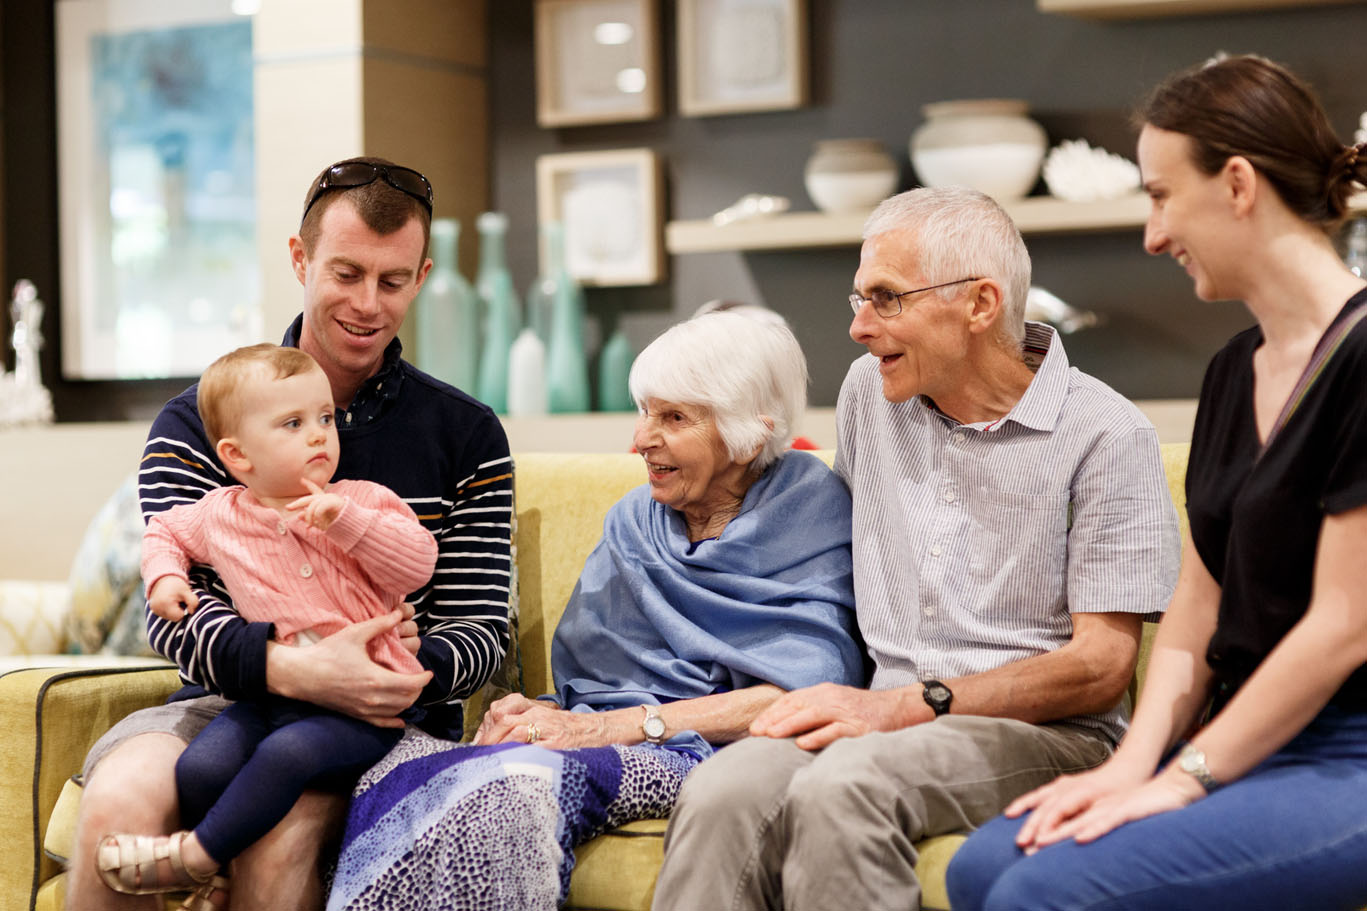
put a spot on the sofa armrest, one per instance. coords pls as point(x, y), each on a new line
point(50, 718)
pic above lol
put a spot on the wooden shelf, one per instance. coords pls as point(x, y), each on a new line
point(798, 230)
point(1151, 9)
point(807, 230)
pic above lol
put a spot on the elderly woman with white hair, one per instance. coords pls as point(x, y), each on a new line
point(723, 582)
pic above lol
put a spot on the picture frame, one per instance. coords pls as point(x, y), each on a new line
point(159, 265)
point(597, 61)
point(611, 206)
point(738, 56)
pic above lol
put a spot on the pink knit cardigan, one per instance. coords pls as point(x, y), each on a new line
point(289, 573)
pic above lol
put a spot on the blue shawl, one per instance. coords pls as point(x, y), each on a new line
point(769, 601)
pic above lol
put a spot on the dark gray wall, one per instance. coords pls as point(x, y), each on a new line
point(874, 63)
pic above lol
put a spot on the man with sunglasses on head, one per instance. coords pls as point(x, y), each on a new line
point(361, 257)
point(1012, 530)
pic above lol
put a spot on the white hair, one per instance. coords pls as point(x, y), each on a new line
point(962, 233)
point(740, 368)
point(754, 311)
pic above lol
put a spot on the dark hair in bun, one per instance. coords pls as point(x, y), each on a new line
point(1256, 109)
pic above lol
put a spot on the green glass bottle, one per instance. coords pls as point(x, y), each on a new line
point(567, 363)
point(614, 367)
point(499, 304)
point(448, 314)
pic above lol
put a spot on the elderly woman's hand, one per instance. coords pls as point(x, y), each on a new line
point(517, 719)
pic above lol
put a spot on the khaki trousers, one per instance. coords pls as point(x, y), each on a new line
point(767, 825)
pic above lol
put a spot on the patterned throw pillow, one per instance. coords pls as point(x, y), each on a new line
point(107, 601)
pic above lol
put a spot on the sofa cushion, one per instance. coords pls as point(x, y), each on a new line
point(616, 871)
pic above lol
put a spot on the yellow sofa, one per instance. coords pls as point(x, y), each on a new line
point(51, 716)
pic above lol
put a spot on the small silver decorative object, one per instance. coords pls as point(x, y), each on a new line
point(23, 398)
point(1046, 307)
point(749, 206)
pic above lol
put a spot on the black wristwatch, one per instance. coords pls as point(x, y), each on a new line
point(937, 696)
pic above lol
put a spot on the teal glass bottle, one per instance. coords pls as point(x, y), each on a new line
point(567, 363)
point(541, 294)
point(498, 301)
point(614, 367)
point(448, 314)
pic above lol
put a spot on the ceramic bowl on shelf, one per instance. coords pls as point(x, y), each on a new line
point(987, 144)
point(849, 175)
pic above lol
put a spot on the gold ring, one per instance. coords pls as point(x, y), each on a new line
point(533, 735)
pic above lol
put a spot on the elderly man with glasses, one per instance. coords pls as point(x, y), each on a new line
point(361, 257)
point(1012, 529)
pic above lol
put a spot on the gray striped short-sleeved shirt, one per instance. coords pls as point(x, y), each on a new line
point(973, 543)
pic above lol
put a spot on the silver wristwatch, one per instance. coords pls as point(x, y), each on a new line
point(653, 728)
point(1193, 762)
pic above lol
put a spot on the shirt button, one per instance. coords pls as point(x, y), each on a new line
point(280, 527)
point(928, 611)
point(348, 417)
point(935, 551)
point(958, 438)
point(306, 571)
point(949, 496)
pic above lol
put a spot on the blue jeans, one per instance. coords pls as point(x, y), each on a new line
point(245, 770)
point(1292, 833)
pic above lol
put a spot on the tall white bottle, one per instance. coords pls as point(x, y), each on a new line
point(527, 375)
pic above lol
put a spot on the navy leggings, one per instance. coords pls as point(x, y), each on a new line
point(245, 771)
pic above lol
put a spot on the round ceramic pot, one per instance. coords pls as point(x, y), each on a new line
point(989, 145)
point(849, 175)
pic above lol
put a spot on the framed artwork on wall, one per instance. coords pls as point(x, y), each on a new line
point(741, 55)
point(611, 207)
point(597, 61)
point(156, 186)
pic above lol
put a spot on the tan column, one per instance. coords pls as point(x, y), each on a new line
point(403, 79)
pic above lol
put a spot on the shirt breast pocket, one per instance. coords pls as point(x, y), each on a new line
point(1017, 552)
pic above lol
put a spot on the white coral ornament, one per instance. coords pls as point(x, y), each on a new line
point(1077, 172)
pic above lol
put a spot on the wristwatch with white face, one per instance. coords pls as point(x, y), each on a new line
point(1193, 762)
point(653, 728)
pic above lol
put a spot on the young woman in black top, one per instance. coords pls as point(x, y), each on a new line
point(1265, 804)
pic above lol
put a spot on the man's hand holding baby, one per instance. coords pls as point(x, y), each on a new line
point(319, 508)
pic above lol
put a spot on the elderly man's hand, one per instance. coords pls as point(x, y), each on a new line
point(822, 714)
point(517, 719)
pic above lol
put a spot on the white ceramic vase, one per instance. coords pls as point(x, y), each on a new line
point(849, 175)
point(988, 144)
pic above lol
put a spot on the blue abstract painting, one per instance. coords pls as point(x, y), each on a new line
point(175, 215)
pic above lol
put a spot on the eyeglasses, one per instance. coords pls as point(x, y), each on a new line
point(350, 174)
point(888, 304)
